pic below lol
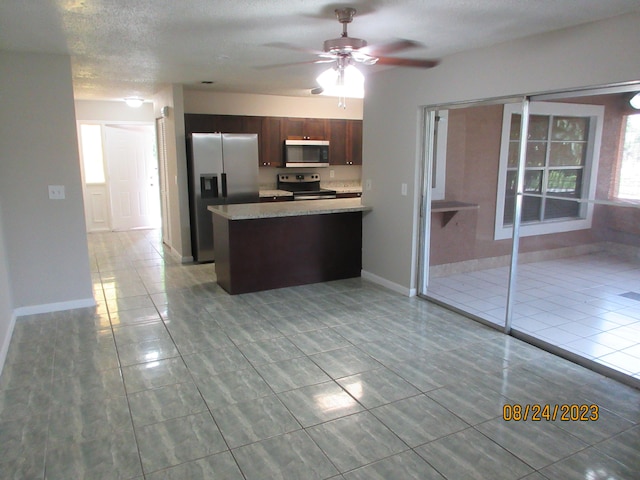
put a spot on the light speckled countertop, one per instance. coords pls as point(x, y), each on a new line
point(275, 193)
point(247, 211)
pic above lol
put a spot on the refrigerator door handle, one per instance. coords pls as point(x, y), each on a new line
point(224, 185)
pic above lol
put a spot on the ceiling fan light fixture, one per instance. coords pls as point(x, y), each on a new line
point(635, 101)
point(134, 102)
point(347, 82)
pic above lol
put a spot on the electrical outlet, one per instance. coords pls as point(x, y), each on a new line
point(332, 173)
point(367, 184)
point(403, 189)
point(56, 192)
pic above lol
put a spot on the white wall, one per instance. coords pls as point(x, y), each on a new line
point(589, 55)
point(112, 111)
point(197, 101)
point(177, 186)
point(7, 317)
point(45, 242)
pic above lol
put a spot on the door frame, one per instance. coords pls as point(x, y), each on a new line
point(106, 184)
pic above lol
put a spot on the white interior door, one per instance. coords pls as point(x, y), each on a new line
point(133, 176)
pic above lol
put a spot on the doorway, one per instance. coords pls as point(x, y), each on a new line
point(120, 176)
point(537, 231)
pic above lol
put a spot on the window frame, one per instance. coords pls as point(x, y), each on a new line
point(615, 190)
point(592, 157)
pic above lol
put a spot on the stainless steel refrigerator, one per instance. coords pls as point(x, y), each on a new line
point(223, 169)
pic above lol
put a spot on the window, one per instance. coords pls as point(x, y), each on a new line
point(440, 162)
point(560, 169)
point(628, 181)
point(92, 161)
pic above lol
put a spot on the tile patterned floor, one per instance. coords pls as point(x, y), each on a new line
point(583, 304)
point(171, 378)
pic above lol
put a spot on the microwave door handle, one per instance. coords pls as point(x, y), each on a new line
point(224, 185)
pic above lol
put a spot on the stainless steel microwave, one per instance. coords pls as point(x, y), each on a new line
point(306, 153)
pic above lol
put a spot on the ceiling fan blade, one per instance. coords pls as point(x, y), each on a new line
point(387, 48)
point(317, 91)
point(289, 46)
point(293, 64)
point(407, 62)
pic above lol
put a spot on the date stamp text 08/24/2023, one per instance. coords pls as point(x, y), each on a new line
point(566, 412)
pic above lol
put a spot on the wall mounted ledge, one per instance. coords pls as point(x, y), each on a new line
point(449, 208)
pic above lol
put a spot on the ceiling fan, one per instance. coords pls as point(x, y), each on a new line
point(345, 52)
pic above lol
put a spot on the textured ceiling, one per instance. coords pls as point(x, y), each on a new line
point(121, 47)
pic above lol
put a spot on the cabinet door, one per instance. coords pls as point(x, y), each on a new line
point(228, 124)
point(305, 129)
point(337, 142)
point(271, 142)
point(354, 142)
point(315, 128)
point(293, 128)
point(252, 125)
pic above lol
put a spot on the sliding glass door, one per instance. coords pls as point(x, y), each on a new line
point(531, 220)
point(464, 267)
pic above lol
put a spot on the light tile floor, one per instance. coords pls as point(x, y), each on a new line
point(171, 378)
point(588, 304)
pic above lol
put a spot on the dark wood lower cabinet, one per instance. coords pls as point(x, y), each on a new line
point(266, 253)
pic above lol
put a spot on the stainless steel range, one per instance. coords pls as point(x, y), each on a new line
point(305, 186)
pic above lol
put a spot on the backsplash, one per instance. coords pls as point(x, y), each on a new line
point(344, 175)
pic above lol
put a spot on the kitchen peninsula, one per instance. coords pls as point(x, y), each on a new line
point(261, 246)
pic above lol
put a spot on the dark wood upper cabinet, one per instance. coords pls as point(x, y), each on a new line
point(305, 128)
point(345, 136)
point(345, 147)
point(271, 142)
point(205, 123)
point(354, 142)
point(252, 125)
point(337, 142)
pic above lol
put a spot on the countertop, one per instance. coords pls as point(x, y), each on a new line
point(247, 211)
point(275, 193)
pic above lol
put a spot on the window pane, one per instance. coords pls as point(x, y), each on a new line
point(565, 154)
point(536, 154)
point(629, 177)
point(512, 158)
point(570, 128)
point(533, 181)
point(530, 206)
point(516, 120)
point(560, 209)
point(538, 127)
point(509, 197)
point(91, 139)
point(565, 183)
point(531, 209)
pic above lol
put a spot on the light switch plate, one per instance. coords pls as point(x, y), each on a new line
point(332, 173)
point(367, 184)
point(56, 192)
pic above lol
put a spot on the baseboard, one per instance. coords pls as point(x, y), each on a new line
point(4, 348)
point(54, 307)
point(178, 256)
point(479, 264)
point(409, 292)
